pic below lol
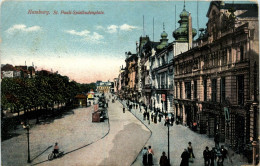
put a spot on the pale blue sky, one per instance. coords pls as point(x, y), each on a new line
point(85, 47)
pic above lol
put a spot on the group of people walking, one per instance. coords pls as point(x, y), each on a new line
point(148, 156)
point(214, 156)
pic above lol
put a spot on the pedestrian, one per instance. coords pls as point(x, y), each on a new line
point(130, 107)
point(155, 118)
point(212, 157)
point(219, 157)
point(145, 153)
point(160, 117)
point(150, 156)
point(136, 106)
point(216, 140)
point(148, 116)
point(206, 156)
point(190, 150)
point(166, 121)
point(152, 117)
point(144, 115)
point(164, 160)
point(172, 120)
point(185, 158)
point(223, 152)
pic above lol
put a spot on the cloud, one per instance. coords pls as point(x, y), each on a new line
point(115, 28)
point(87, 35)
point(22, 28)
point(99, 27)
point(97, 36)
point(112, 29)
point(82, 33)
point(126, 27)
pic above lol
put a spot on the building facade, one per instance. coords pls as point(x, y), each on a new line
point(216, 82)
point(104, 87)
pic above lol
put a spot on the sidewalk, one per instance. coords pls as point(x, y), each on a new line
point(179, 138)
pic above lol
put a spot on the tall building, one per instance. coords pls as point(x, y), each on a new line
point(217, 81)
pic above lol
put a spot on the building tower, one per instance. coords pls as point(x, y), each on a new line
point(184, 34)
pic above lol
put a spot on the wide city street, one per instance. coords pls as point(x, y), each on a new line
point(116, 142)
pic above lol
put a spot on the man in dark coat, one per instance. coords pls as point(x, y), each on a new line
point(185, 158)
point(216, 140)
point(164, 160)
point(212, 156)
point(145, 153)
point(150, 156)
point(206, 156)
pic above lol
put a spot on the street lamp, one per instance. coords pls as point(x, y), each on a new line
point(167, 121)
point(27, 127)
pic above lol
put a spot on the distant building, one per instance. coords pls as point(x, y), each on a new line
point(130, 76)
point(104, 87)
point(9, 71)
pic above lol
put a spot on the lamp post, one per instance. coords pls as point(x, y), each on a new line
point(27, 127)
point(168, 126)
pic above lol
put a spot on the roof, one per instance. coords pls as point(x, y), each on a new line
point(8, 67)
point(131, 57)
point(237, 6)
point(250, 13)
point(81, 96)
point(151, 44)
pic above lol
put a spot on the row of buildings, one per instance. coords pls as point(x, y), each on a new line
point(10, 71)
point(211, 81)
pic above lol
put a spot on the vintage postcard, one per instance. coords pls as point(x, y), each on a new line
point(120, 83)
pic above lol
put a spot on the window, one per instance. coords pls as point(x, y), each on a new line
point(187, 90)
point(214, 90)
point(195, 89)
point(222, 89)
point(180, 90)
point(240, 89)
point(241, 53)
point(205, 89)
point(176, 90)
point(195, 64)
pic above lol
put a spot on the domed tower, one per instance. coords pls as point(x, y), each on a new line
point(185, 33)
point(164, 40)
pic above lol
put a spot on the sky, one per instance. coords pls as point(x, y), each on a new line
point(86, 47)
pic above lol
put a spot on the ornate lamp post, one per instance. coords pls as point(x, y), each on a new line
point(27, 127)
